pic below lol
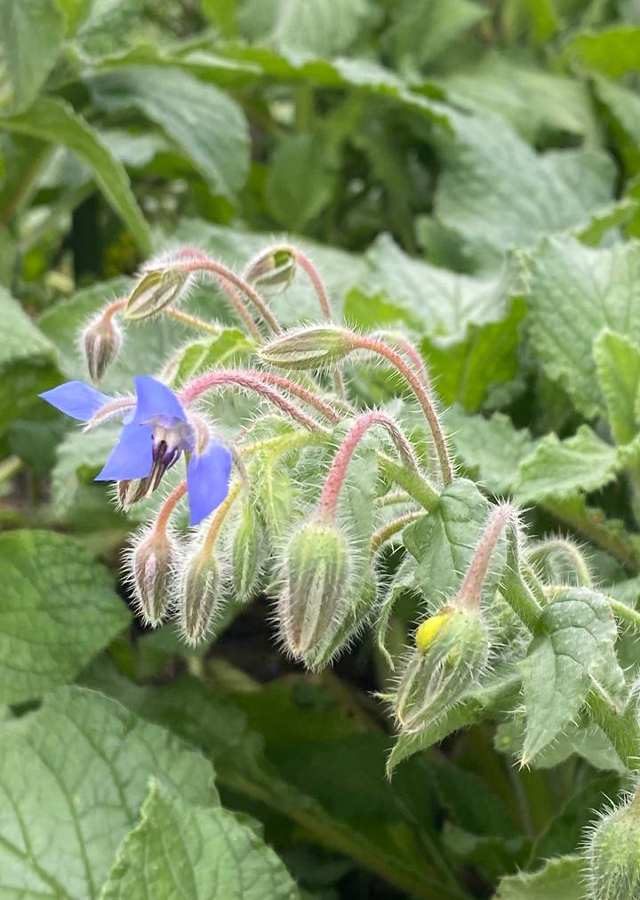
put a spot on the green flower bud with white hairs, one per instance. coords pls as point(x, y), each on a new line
point(450, 657)
point(199, 591)
point(317, 571)
point(247, 554)
point(612, 850)
point(152, 560)
point(308, 348)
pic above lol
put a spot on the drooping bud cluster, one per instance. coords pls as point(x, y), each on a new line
point(613, 854)
point(450, 656)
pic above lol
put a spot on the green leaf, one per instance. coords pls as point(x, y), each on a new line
point(324, 27)
point(442, 301)
point(623, 106)
point(487, 358)
point(444, 541)
point(206, 123)
point(618, 362)
point(490, 450)
point(107, 25)
point(422, 31)
point(573, 643)
point(613, 51)
point(194, 852)
point(218, 352)
point(533, 101)
point(299, 183)
point(53, 120)
point(574, 293)
point(562, 879)
point(73, 776)
point(59, 609)
point(497, 192)
point(561, 469)
point(21, 338)
point(30, 41)
point(80, 457)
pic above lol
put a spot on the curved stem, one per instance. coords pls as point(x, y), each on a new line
point(286, 384)
point(168, 507)
point(219, 517)
point(318, 284)
point(387, 531)
point(471, 587)
point(422, 393)
point(249, 381)
point(200, 264)
point(562, 545)
point(335, 479)
point(188, 318)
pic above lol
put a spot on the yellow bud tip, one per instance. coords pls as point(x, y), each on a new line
point(429, 630)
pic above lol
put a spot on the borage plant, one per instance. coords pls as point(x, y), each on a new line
point(337, 513)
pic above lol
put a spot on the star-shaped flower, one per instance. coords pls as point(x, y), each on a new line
point(153, 437)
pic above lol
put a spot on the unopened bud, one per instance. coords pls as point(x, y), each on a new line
point(102, 340)
point(317, 571)
point(247, 552)
point(156, 289)
point(272, 271)
point(131, 492)
point(613, 854)
point(152, 563)
point(451, 655)
point(199, 592)
point(350, 617)
point(308, 348)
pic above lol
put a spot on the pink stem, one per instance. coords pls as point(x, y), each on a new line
point(420, 390)
point(224, 273)
point(471, 587)
point(305, 263)
point(331, 491)
point(286, 384)
point(168, 507)
point(249, 381)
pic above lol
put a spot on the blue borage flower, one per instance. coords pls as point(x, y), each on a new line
point(152, 440)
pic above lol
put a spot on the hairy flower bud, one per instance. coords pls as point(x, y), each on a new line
point(199, 591)
point(102, 340)
point(316, 572)
point(152, 561)
point(131, 492)
point(272, 270)
point(613, 854)
point(452, 650)
point(308, 348)
point(247, 550)
point(156, 289)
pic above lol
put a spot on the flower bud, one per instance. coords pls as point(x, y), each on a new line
point(131, 492)
point(451, 654)
point(152, 563)
point(156, 289)
point(102, 340)
point(613, 854)
point(317, 572)
point(308, 348)
point(199, 591)
point(247, 551)
point(350, 617)
point(272, 271)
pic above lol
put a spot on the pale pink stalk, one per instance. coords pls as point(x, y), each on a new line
point(335, 479)
point(109, 409)
point(420, 390)
point(251, 381)
point(471, 587)
point(167, 508)
point(224, 273)
point(316, 280)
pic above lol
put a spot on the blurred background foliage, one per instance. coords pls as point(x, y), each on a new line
point(452, 167)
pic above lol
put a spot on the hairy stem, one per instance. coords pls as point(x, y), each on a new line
point(568, 548)
point(471, 588)
point(387, 531)
point(421, 391)
point(168, 507)
point(337, 473)
point(252, 381)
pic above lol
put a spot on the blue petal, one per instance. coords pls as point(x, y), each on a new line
point(208, 481)
point(155, 399)
point(132, 456)
point(76, 399)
